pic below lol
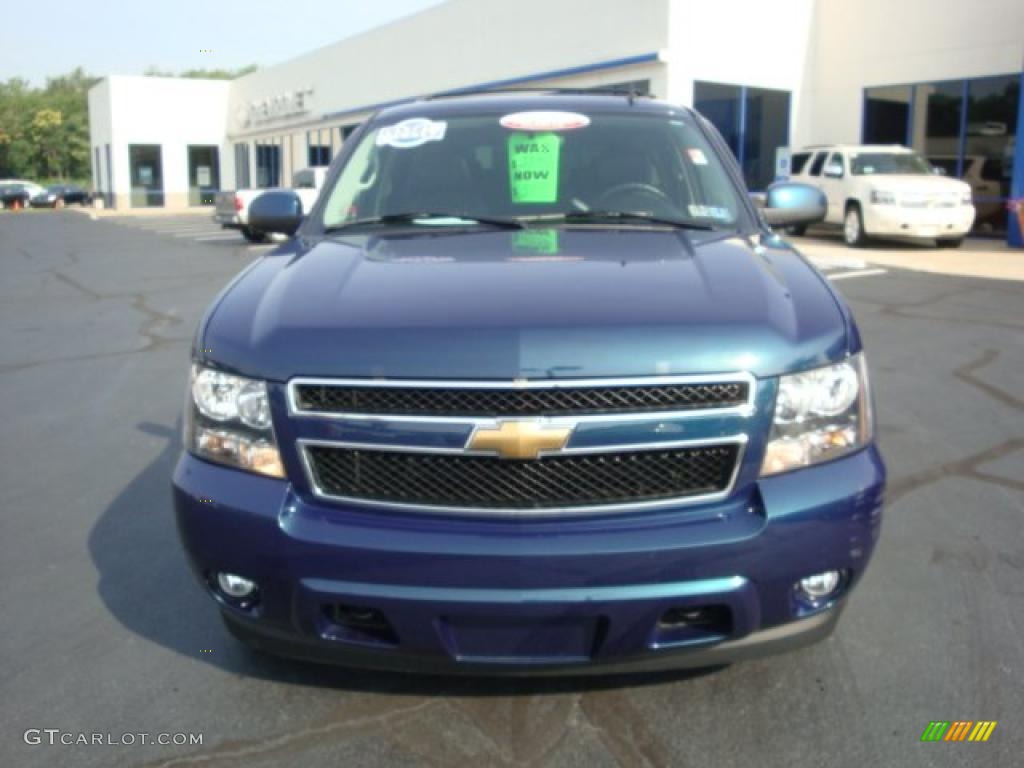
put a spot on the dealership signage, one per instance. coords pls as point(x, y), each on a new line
point(282, 105)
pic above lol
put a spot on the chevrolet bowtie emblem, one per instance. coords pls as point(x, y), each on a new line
point(519, 439)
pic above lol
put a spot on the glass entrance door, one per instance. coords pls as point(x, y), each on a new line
point(203, 174)
point(147, 175)
point(753, 121)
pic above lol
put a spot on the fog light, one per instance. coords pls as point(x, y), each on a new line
point(821, 585)
point(235, 586)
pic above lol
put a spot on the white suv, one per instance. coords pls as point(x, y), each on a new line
point(886, 191)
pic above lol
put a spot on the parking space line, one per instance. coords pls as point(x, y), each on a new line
point(219, 236)
point(858, 273)
point(187, 232)
point(198, 232)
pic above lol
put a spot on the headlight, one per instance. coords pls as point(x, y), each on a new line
point(228, 421)
point(882, 197)
point(820, 415)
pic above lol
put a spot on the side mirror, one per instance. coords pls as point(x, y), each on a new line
point(938, 170)
point(834, 171)
point(787, 203)
point(279, 210)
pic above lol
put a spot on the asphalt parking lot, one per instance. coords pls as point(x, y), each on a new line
point(104, 629)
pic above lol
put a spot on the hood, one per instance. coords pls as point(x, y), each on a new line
point(587, 302)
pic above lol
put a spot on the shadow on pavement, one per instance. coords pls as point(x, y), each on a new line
point(147, 586)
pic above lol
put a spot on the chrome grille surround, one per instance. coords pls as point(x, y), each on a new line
point(306, 445)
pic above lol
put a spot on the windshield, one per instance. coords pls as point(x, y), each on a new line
point(533, 165)
point(889, 163)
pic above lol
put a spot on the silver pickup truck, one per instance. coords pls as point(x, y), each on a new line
point(231, 207)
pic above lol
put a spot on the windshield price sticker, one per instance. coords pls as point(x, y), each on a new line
point(533, 167)
point(411, 133)
point(544, 121)
point(697, 156)
point(709, 212)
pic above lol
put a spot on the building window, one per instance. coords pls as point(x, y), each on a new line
point(242, 177)
point(765, 131)
point(147, 176)
point(203, 174)
point(991, 136)
point(966, 128)
point(318, 142)
point(268, 164)
point(319, 154)
point(936, 119)
point(109, 198)
point(753, 121)
point(637, 87)
point(348, 130)
point(887, 115)
point(721, 105)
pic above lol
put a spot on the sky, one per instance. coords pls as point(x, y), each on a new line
point(126, 37)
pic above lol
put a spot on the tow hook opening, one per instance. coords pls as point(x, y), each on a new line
point(690, 624)
point(359, 624)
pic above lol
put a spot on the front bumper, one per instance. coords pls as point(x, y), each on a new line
point(786, 637)
point(532, 597)
point(923, 222)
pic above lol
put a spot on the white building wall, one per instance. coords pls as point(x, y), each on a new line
point(739, 42)
point(823, 52)
point(100, 132)
point(460, 43)
point(882, 42)
point(172, 112)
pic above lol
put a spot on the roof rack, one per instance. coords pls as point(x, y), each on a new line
point(456, 92)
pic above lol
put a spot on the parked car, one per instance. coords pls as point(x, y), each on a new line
point(534, 390)
point(16, 193)
point(59, 195)
point(231, 207)
point(989, 180)
point(886, 191)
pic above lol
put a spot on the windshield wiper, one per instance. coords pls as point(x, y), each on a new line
point(413, 216)
point(574, 216)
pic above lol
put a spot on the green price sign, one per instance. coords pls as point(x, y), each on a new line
point(533, 167)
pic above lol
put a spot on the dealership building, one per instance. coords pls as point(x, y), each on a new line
point(945, 79)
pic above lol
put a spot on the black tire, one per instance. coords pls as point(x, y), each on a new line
point(853, 227)
point(253, 236)
point(952, 242)
point(796, 230)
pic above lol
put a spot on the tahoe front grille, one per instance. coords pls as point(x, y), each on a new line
point(467, 401)
point(552, 482)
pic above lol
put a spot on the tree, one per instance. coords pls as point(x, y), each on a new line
point(45, 131)
point(204, 74)
point(46, 135)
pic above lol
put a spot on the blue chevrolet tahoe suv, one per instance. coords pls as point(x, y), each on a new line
point(532, 389)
